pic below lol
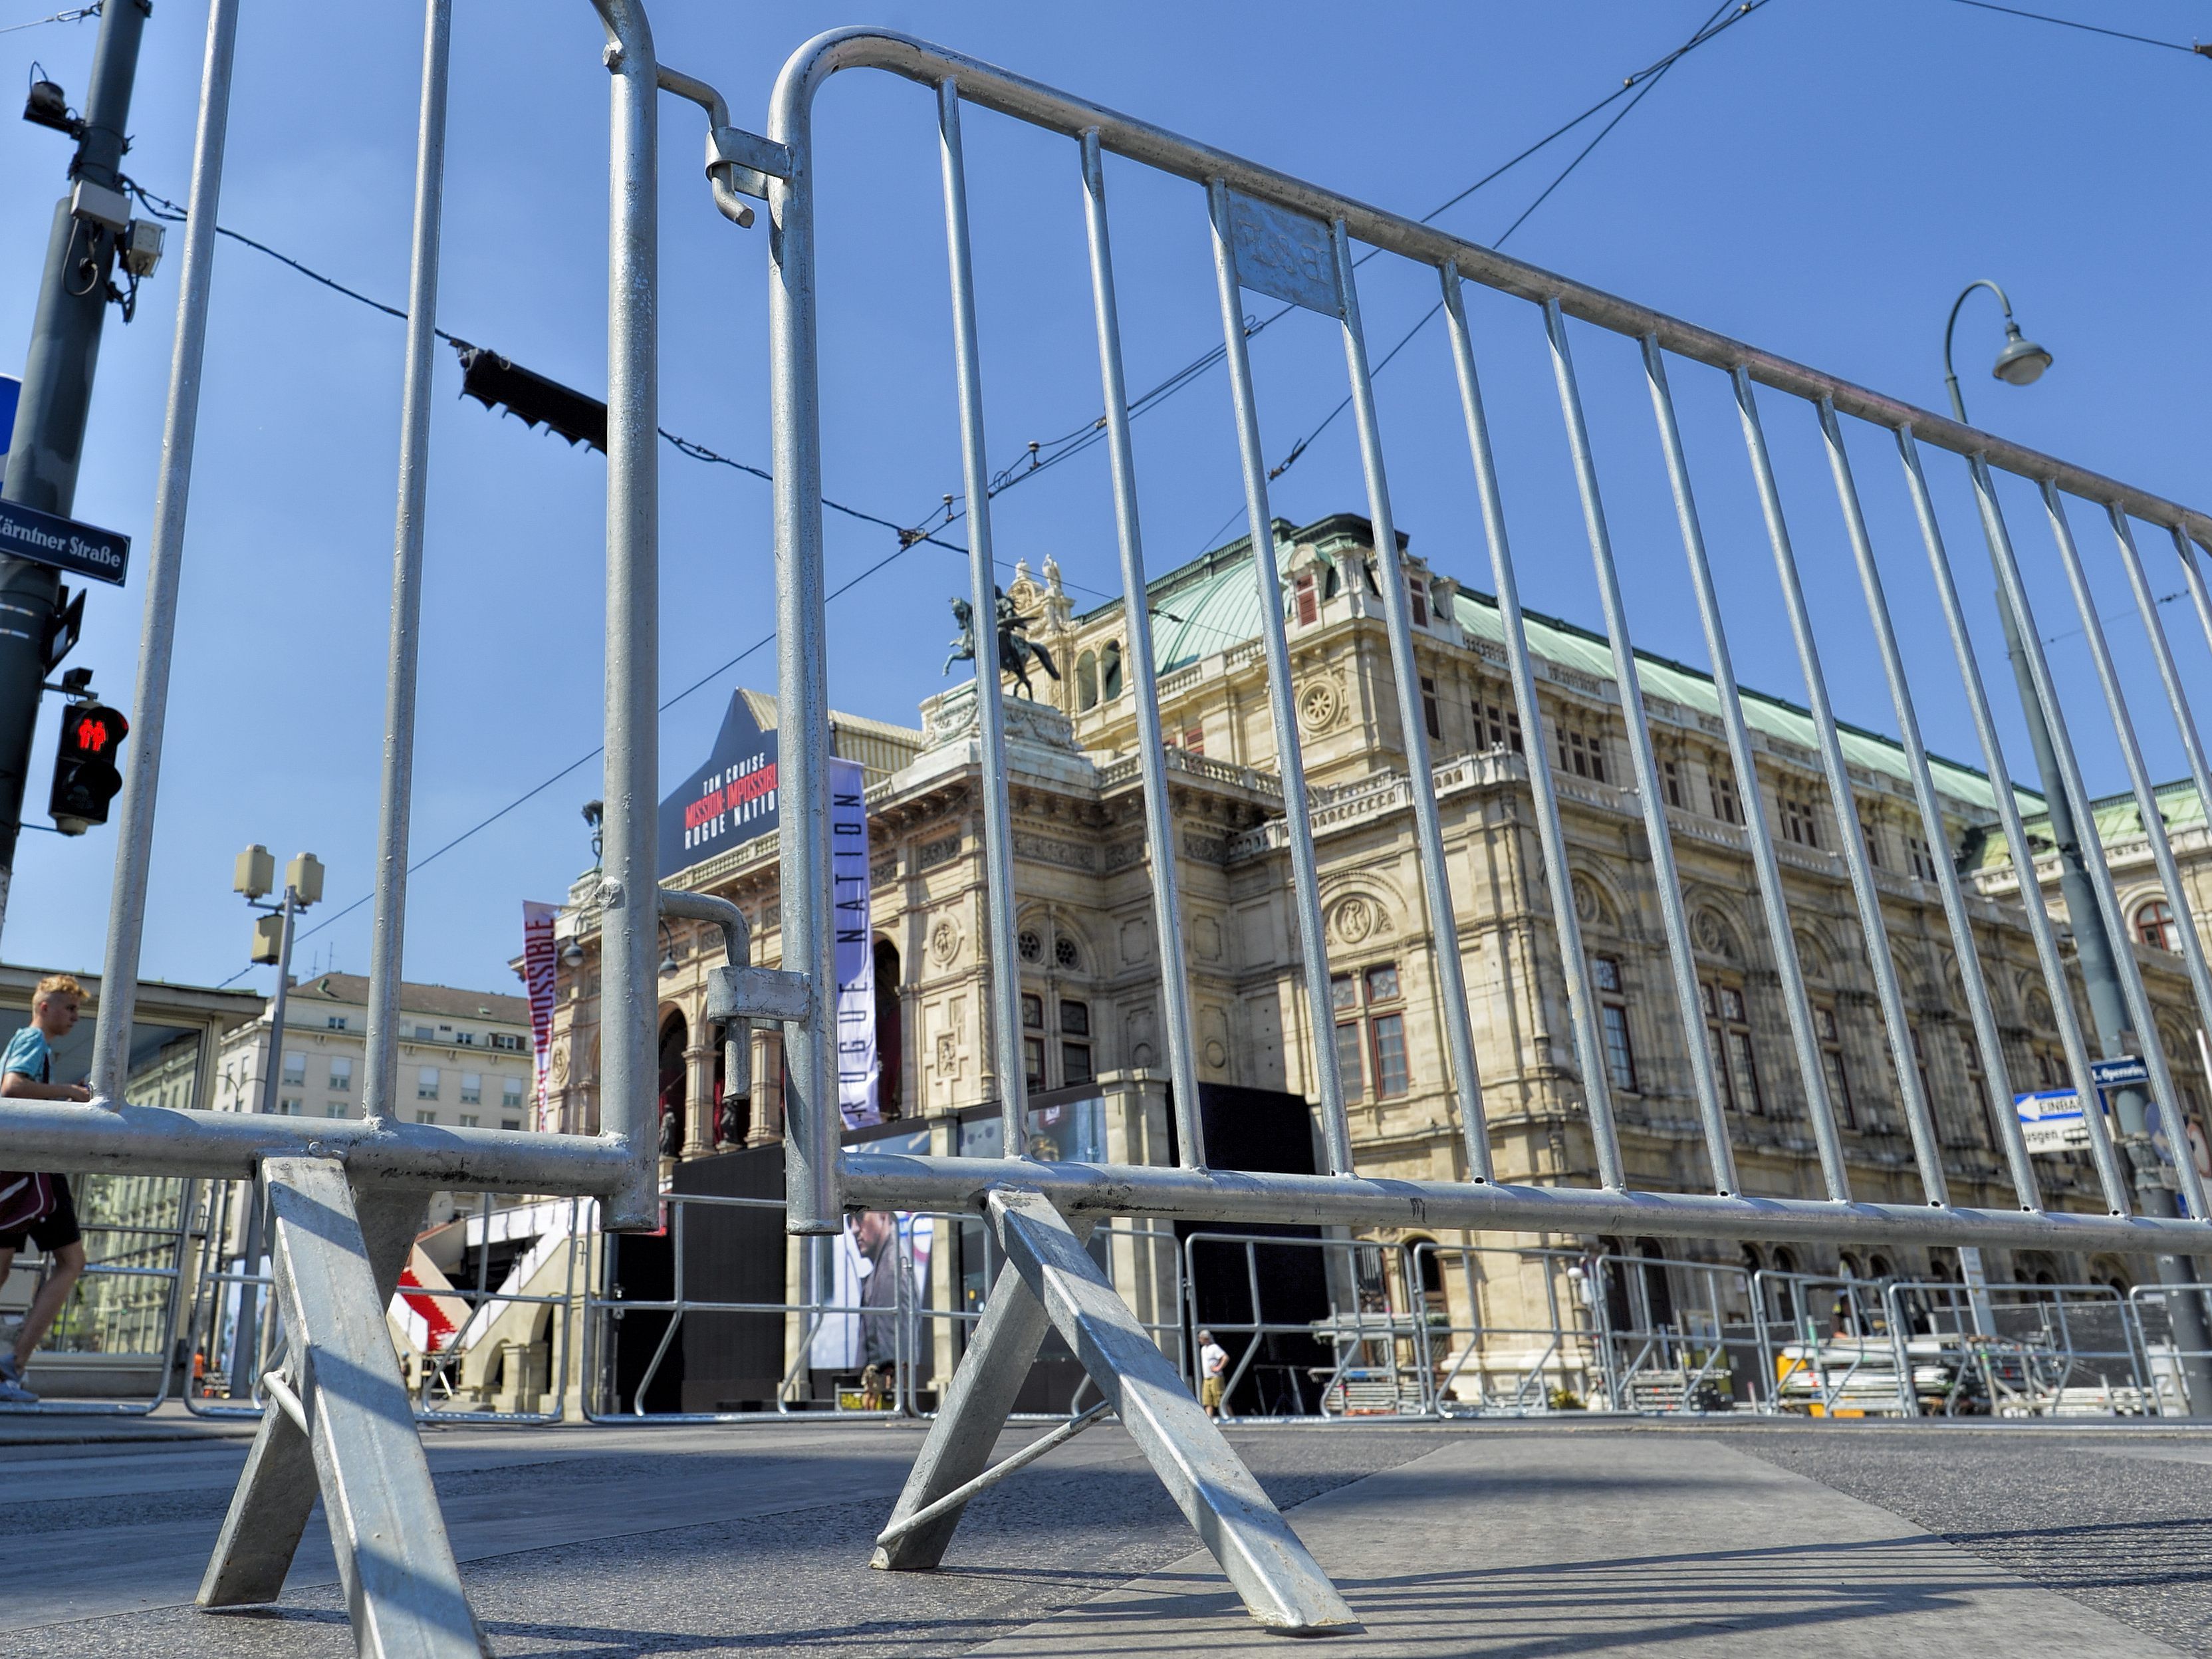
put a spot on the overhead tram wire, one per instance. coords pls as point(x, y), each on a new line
point(2200, 50)
point(911, 536)
point(1044, 455)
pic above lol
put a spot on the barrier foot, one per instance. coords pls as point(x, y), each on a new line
point(334, 1268)
point(968, 1420)
point(1281, 1584)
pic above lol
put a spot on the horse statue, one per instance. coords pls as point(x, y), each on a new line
point(1016, 651)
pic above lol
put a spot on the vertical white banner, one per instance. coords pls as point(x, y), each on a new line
point(857, 1062)
point(540, 961)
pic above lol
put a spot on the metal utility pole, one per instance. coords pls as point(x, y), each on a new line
point(2020, 363)
point(57, 397)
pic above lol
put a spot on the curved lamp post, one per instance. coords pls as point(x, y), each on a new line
point(2022, 363)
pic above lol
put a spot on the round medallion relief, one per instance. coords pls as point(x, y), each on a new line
point(943, 942)
point(1355, 919)
point(1319, 704)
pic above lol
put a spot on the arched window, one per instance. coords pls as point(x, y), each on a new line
point(1109, 671)
point(675, 1038)
point(2156, 927)
point(1086, 681)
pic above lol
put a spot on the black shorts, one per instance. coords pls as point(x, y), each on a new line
point(51, 1230)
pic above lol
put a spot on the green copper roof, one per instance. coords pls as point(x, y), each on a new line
point(2117, 819)
point(1213, 605)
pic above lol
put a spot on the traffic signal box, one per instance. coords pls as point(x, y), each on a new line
point(86, 777)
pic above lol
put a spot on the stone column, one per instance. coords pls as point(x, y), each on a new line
point(698, 1099)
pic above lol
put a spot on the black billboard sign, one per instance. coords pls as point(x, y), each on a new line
point(726, 802)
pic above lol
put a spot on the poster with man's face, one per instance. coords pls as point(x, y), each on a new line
point(868, 1260)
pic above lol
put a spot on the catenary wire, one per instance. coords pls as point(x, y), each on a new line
point(75, 15)
point(2089, 28)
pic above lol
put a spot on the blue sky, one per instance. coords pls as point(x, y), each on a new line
point(1822, 181)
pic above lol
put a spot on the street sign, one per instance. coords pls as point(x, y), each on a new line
point(2051, 1122)
point(2118, 1073)
point(82, 549)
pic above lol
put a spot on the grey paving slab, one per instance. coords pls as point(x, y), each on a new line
point(1627, 1545)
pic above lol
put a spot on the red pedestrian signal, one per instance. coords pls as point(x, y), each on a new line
point(86, 777)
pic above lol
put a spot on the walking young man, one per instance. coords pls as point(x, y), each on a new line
point(27, 1074)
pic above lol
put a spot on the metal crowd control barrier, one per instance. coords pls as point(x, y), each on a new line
point(481, 1341)
point(2025, 1350)
point(86, 1329)
point(2164, 1353)
point(346, 1197)
point(1676, 1354)
point(1828, 1344)
point(1562, 1348)
point(1376, 1357)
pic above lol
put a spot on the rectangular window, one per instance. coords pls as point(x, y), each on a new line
point(1383, 982)
point(335, 1108)
point(296, 1069)
point(512, 1042)
point(1497, 726)
point(289, 1105)
point(1744, 1071)
point(1430, 716)
point(510, 1123)
point(1074, 1064)
point(1033, 1061)
point(1343, 991)
point(1728, 1042)
point(471, 1088)
point(1720, 790)
point(1873, 843)
point(334, 1022)
point(1832, 1063)
point(1308, 599)
point(1923, 865)
point(424, 1034)
point(1605, 974)
point(341, 1073)
point(426, 1117)
point(469, 1038)
point(1799, 820)
point(1390, 1077)
point(1032, 1010)
point(1620, 1055)
point(468, 1120)
point(510, 1093)
point(1670, 775)
point(1582, 754)
point(426, 1084)
point(1193, 739)
point(1418, 590)
point(1074, 1017)
point(1349, 1077)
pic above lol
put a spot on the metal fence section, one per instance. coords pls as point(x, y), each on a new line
point(1293, 241)
point(346, 1198)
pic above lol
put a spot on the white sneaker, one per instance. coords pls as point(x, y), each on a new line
point(13, 1393)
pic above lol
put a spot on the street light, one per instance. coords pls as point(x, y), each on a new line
point(254, 874)
point(2020, 362)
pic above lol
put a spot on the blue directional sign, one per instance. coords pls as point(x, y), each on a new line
point(11, 391)
point(82, 549)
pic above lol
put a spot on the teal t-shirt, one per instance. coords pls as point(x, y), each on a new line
point(29, 1053)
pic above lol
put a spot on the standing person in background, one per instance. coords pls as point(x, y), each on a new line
point(27, 1074)
point(1212, 1366)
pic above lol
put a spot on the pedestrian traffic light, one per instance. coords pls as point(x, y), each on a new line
point(85, 775)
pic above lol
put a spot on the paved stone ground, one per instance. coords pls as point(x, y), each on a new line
point(1498, 1538)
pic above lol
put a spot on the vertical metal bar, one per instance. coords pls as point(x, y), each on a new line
point(1136, 616)
point(1003, 966)
point(2162, 851)
point(1682, 960)
point(629, 986)
point(1775, 902)
point(1298, 821)
point(1918, 1118)
point(812, 1120)
point(1582, 1015)
point(2200, 595)
point(1428, 827)
point(149, 705)
point(2011, 592)
point(2007, 809)
point(387, 947)
point(1997, 1079)
point(2169, 672)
